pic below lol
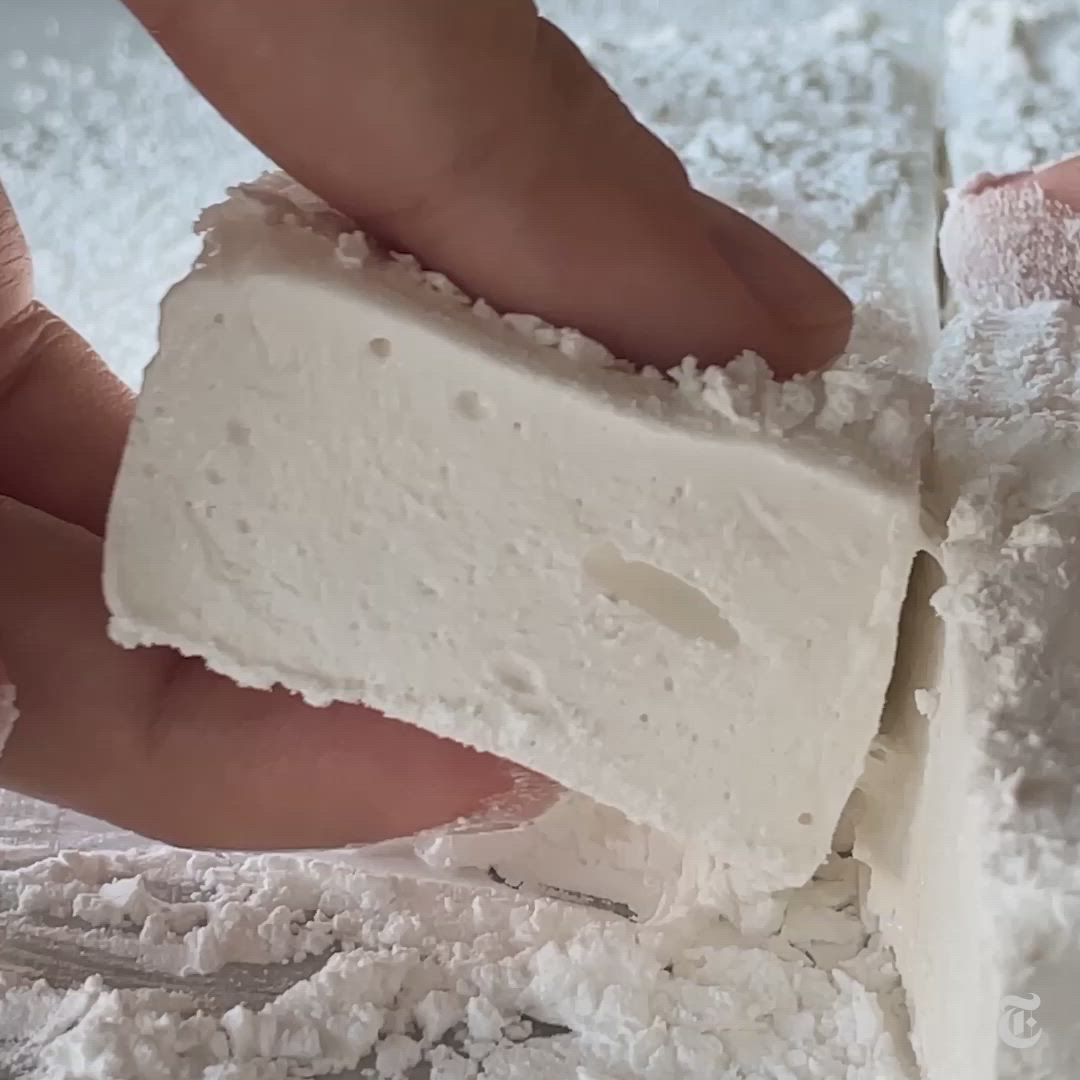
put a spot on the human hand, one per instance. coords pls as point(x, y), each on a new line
point(476, 137)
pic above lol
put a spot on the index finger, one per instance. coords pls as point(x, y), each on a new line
point(477, 137)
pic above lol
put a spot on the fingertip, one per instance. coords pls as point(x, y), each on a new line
point(16, 276)
point(1009, 240)
point(806, 318)
point(813, 348)
point(1060, 182)
point(986, 181)
point(8, 712)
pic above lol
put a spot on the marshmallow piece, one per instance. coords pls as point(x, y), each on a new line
point(677, 596)
point(1005, 241)
point(970, 826)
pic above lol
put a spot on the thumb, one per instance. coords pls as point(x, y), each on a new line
point(477, 137)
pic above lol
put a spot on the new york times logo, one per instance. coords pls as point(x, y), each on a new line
point(1016, 1026)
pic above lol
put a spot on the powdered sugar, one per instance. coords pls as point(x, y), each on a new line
point(1006, 391)
point(106, 206)
point(1009, 86)
point(463, 980)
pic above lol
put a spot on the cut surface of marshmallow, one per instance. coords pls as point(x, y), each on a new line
point(677, 596)
point(969, 823)
point(970, 827)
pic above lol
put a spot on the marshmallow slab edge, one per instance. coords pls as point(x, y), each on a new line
point(970, 826)
point(678, 597)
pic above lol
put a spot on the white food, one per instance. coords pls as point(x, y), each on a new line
point(353, 969)
point(345, 478)
point(530, 561)
point(969, 827)
point(1010, 244)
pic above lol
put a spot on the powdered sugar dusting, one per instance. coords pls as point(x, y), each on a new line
point(1010, 84)
point(468, 982)
point(1010, 245)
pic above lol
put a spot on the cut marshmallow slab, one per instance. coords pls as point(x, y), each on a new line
point(970, 826)
point(676, 596)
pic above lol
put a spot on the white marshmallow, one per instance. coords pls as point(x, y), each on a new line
point(970, 828)
point(676, 596)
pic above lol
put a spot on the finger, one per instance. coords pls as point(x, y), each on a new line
point(63, 415)
point(158, 744)
point(477, 137)
point(767, 268)
point(16, 285)
point(145, 739)
point(1061, 182)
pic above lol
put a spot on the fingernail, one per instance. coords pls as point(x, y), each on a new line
point(802, 299)
point(528, 796)
point(1060, 181)
point(784, 281)
point(8, 713)
point(1009, 240)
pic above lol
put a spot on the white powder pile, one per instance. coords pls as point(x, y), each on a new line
point(475, 982)
point(970, 825)
point(107, 166)
point(1009, 91)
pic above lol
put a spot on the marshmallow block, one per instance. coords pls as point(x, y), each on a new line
point(678, 596)
point(970, 825)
